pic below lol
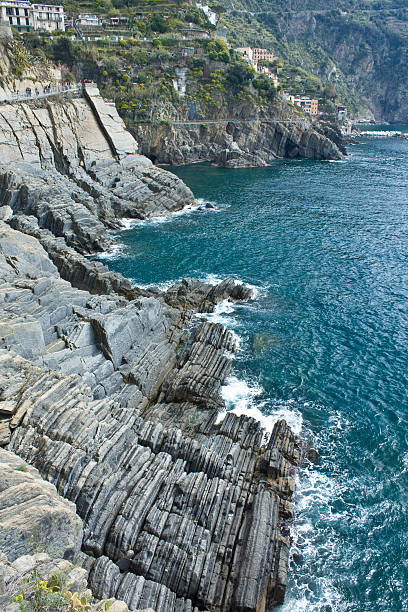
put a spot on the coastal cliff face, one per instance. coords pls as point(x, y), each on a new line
point(359, 47)
point(236, 143)
point(74, 167)
point(18, 71)
point(113, 392)
point(371, 53)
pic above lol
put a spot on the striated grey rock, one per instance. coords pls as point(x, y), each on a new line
point(118, 410)
point(117, 407)
point(238, 143)
point(32, 515)
point(203, 297)
point(75, 168)
point(80, 271)
point(113, 392)
point(182, 505)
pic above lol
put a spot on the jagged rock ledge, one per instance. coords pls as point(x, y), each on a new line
point(115, 402)
point(238, 143)
point(113, 393)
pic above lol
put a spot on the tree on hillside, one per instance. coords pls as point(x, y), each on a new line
point(239, 74)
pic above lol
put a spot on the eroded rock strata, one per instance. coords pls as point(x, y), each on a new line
point(238, 143)
point(113, 392)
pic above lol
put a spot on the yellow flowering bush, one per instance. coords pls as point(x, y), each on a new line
point(40, 595)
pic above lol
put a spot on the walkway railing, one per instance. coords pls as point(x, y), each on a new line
point(302, 122)
point(46, 93)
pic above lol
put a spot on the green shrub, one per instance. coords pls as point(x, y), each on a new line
point(21, 468)
point(38, 595)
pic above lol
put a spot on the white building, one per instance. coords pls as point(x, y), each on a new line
point(270, 75)
point(88, 20)
point(17, 13)
point(48, 17)
point(247, 55)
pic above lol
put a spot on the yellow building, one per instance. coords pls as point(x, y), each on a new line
point(310, 106)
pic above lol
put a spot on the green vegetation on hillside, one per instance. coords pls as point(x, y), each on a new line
point(351, 52)
point(360, 47)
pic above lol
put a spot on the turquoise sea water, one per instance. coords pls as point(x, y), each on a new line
point(323, 344)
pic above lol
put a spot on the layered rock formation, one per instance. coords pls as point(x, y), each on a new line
point(75, 168)
point(113, 393)
point(115, 402)
point(33, 515)
point(237, 142)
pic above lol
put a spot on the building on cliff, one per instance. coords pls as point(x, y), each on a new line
point(17, 13)
point(262, 55)
point(247, 55)
point(270, 75)
point(308, 105)
point(89, 20)
point(48, 17)
point(25, 16)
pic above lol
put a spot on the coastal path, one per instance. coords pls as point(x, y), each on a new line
point(46, 93)
point(300, 122)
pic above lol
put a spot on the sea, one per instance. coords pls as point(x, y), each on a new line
point(323, 344)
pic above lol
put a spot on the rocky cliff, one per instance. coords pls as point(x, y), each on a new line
point(113, 393)
point(236, 142)
point(74, 167)
point(358, 46)
point(369, 51)
point(116, 402)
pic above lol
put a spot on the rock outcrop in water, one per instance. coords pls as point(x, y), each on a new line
point(115, 402)
point(238, 143)
point(113, 393)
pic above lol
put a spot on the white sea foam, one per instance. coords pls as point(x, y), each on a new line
point(212, 279)
point(315, 492)
point(113, 252)
point(129, 223)
point(330, 599)
point(239, 396)
point(221, 314)
point(161, 286)
point(242, 398)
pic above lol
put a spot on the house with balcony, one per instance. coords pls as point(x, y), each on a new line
point(18, 14)
point(48, 17)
